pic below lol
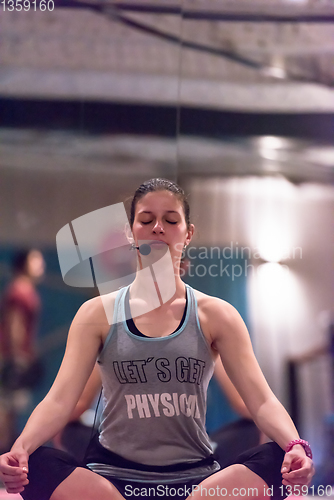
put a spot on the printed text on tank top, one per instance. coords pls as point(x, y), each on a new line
point(149, 381)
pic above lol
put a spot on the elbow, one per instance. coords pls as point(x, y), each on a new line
point(242, 410)
point(60, 408)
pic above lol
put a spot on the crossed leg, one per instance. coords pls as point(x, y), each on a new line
point(236, 481)
point(83, 484)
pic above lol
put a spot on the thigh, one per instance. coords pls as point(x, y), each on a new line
point(83, 484)
point(233, 439)
point(155, 491)
point(48, 468)
point(235, 481)
point(266, 461)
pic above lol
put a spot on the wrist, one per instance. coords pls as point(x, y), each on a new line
point(300, 443)
point(19, 446)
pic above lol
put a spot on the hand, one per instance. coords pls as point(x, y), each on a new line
point(297, 468)
point(14, 470)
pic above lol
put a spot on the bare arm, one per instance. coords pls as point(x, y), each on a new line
point(229, 336)
point(83, 344)
point(85, 338)
point(86, 399)
point(231, 339)
point(230, 391)
point(88, 395)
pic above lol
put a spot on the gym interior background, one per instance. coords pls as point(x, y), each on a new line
point(235, 102)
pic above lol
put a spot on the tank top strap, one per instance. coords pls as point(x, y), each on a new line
point(117, 317)
point(193, 307)
point(119, 310)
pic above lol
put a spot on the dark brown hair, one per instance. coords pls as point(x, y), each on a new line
point(19, 260)
point(159, 184)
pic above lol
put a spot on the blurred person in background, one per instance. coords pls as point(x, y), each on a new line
point(20, 368)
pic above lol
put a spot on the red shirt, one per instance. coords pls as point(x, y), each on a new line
point(20, 296)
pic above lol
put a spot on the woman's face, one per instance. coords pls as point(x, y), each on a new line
point(159, 216)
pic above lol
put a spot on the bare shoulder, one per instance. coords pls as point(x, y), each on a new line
point(215, 306)
point(217, 317)
point(97, 311)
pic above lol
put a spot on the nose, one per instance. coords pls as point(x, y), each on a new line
point(158, 227)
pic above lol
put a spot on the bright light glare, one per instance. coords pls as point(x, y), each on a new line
point(273, 246)
point(274, 288)
point(272, 220)
point(272, 142)
point(270, 154)
point(274, 72)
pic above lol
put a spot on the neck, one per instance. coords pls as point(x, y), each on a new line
point(157, 271)
point(144, 285)
point(25, 277)
point(150, 292)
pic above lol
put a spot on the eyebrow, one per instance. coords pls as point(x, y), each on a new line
point(167, 211)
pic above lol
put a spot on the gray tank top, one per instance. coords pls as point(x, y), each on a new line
point(154, 391)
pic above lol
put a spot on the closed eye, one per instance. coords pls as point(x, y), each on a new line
point(149, 222)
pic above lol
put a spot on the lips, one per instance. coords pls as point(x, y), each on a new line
point(157, 244)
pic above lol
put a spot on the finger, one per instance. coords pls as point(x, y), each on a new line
point(15, 490)
point(16, 487)
point(296, 482)
point(286, 465)
point(17, 484)
point(293, 483)
point(12, 461)
point(12, 473)
point(23, 461)
point(18, 461)
point(12, 470)
point(298, 474)
point(7, 478)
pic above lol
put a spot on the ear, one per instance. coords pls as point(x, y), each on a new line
point(128, 233)
point(190, 234)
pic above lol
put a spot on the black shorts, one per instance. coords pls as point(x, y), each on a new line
point(48, 467)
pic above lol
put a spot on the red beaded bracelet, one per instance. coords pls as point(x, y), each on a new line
point(303, 443)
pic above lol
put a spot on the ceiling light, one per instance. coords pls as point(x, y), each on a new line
point(275, 72)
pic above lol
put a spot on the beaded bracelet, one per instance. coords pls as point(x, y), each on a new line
point(303, 443)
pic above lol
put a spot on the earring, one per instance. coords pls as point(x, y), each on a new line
point(133, 247)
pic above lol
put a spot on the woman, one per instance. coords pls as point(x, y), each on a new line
point(155, 368)
point(19, 313)
point(20, 368)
